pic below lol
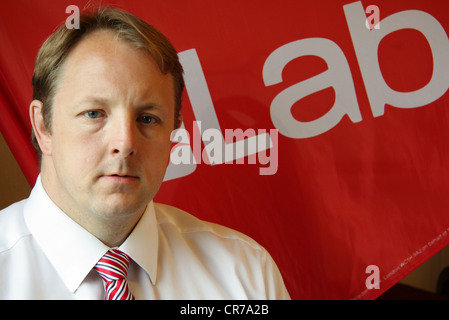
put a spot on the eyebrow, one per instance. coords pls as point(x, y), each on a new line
point(95, 100)
point(152, 106)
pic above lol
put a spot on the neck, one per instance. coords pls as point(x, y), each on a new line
point(110, 226)
point(111, 232)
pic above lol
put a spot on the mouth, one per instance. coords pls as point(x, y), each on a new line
point(120, 178)
point(122, 175)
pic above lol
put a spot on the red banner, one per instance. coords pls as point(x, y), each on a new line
point(318, 128)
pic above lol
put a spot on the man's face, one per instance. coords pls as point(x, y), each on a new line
point(113, 113)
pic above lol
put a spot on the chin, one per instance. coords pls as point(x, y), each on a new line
point(120, 208)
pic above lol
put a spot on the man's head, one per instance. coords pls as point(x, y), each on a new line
point(106, 101)
point(126, 27)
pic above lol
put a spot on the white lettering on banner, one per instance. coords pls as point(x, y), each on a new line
point(366, 45)
point(175, 170)
point(203, 108)
point(338, 76)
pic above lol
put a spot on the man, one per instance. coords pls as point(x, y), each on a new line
point(106, 99)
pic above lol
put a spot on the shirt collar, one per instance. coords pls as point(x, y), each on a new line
point(73, 251)
point(142, 244)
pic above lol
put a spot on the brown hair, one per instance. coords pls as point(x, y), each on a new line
point(128, 27)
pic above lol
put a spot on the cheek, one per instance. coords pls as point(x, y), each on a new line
point(75, 151)
point(156, 155)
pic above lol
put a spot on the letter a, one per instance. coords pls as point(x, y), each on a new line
point(72, 21)
point(182, 162)
point(372, 281)
point(372, 21)
point(338, 75)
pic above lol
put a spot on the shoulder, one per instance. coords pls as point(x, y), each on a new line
point(220, 252)
point(12, 225)
point(179, 221)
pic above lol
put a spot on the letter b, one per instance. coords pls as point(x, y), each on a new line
point(366, 44)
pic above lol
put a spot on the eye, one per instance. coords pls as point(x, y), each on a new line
point(146, 119)
point(93, 114)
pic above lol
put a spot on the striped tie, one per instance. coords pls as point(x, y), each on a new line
point(113, 268)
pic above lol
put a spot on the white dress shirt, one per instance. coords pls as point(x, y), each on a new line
point(46, 255)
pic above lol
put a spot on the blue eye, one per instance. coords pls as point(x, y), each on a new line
point(92, 114)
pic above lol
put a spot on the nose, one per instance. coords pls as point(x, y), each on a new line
point(123, 138)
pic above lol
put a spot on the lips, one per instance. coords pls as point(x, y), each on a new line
point(120, 177)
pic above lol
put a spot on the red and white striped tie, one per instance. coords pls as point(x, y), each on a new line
point(113, 268)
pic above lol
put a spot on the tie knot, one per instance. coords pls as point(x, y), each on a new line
point(113, 266)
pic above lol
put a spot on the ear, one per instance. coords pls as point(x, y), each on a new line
point(41, 132)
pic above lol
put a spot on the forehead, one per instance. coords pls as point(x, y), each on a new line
point(104, 49)
point(102, 63)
